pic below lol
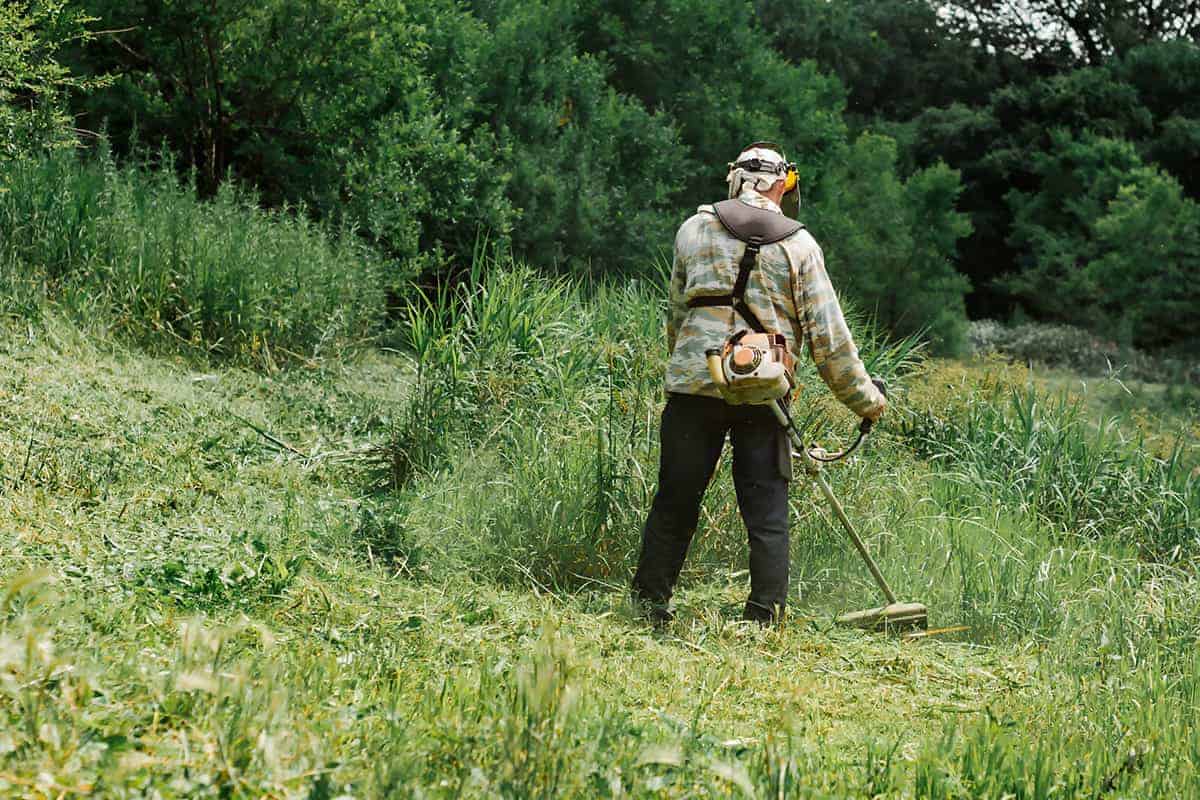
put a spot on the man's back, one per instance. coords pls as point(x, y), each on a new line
point(789, 291)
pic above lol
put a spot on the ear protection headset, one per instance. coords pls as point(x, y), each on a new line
point(785, 167)
point(790, 205)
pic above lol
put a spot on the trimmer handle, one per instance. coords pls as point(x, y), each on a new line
point(867, 423)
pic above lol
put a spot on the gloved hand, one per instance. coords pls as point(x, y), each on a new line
point(867, 423)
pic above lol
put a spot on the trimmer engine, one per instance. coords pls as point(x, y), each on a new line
point(754, 368)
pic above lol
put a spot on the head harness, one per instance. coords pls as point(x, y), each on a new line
point(762, 164)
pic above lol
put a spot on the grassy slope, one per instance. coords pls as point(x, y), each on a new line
point(198, 617)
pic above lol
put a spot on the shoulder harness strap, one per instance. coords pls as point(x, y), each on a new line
point(746, 222)
point(755, 227)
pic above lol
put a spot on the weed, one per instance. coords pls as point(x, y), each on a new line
point(1041, 453)
point(135, 250)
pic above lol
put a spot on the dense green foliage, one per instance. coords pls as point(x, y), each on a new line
point(1117, 240)
point(33, 83)
point(890, 242)
point(579, 133)
point(1143, 106)
point(325, 103)
point(569, 130)
point(403, 571)
point(138, 249)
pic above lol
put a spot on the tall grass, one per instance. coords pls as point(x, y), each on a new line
point(528, 448)
point(196, 624)
point(528, 454)
point(136, 248)
point(1042, 454)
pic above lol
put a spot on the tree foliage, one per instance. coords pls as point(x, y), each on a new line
point(593, 172)
point(576, 132)
point(891, 242)
point(33, 83)
point(1077, 31)
point(1145, 277)
point(1077, 179)
point(708, 64)
point(1146, 100)
point(1114, 244)
point(895, 57)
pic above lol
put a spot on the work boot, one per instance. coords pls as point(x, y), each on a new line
point(755, 612)
point(658, 613)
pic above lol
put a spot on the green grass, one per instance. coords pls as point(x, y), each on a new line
point(136, 250)
point(378, 576)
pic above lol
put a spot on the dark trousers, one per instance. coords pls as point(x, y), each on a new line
point(692, 437)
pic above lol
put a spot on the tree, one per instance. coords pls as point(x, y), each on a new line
point(1166, 77)
point(1070, 32)
point(1148, 99)
point(594, 174)
point(895, 57)
point(890, 244)
point(33, 84)
point(711, 68)
point(1146, 276)
point(1055, 225)
point(321, 102)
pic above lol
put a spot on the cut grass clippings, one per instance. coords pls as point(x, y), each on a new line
point(188, 610)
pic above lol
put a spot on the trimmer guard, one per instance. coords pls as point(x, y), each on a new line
point(895, 617)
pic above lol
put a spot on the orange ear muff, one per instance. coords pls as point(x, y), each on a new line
point(790, 181)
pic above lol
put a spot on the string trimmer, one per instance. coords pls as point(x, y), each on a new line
point(895, 616)
point(752, 368)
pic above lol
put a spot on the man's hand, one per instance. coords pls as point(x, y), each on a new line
point(873, 417)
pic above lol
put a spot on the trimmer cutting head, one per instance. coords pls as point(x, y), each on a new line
point(892, 618)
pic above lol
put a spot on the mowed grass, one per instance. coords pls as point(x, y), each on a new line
point(207, 592)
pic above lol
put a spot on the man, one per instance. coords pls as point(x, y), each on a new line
point(788, 292)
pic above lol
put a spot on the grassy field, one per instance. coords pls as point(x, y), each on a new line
point(204, 595)
point(255, 541)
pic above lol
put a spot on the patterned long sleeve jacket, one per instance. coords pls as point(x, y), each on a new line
point(789, 291)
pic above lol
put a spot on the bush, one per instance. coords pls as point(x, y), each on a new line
point(33, 85)
point(327, 103)
point(223, 277)
point(1078, 350)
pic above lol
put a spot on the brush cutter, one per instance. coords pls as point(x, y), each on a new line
point(895, 616)
point(749, 371)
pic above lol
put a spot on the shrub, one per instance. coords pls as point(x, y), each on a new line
point(1077, 349)
point(328, 103)
point(223, 277)
point(33, 84)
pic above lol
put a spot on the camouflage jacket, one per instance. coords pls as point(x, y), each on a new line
point(788, 290)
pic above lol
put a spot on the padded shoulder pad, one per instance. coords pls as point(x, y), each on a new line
point(749, 223)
